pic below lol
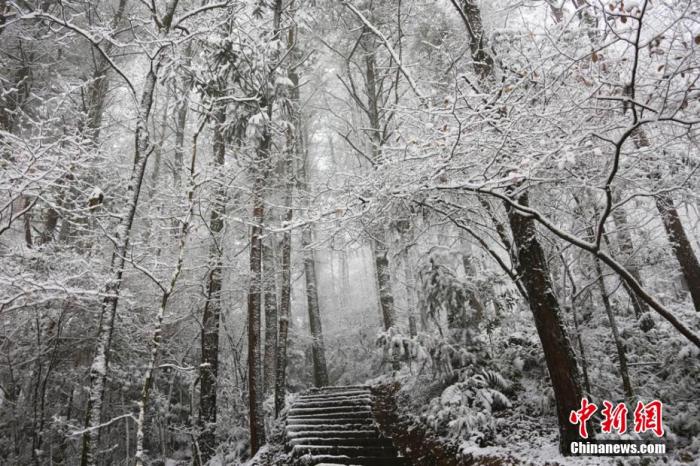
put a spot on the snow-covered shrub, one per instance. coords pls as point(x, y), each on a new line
point(465, 409)
point(443, 292)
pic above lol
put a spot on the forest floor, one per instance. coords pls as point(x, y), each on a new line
point(521, 439)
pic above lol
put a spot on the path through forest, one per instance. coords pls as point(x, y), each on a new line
point(336, 425)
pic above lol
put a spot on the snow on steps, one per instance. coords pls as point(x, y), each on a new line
point(335, 426)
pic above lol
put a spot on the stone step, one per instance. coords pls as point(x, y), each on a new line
point(331, 388)
point(367, 442)
point(364, 433)
point(324, 427)
point(335, 394)
point(360, 417)
point(347, 450)
point(328, 460)
point(330, 410)
point(321, 402)
point(311, 420)
point(336, 402)
point(336, 426)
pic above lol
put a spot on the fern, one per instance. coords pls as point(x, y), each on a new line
point(495, 380)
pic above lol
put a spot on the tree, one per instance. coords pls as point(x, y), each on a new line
point(680, 244)
point(561, 362)
point(209, 366)
point(294, 141)
point(271, 318)
point(533, 269)
point(318, 348)
point(262, 121)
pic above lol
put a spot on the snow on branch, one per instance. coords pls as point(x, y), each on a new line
point(387, 45)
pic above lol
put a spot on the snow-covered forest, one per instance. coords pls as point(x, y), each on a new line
point(470, 214)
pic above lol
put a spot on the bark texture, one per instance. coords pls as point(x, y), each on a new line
point(682, 248)
point(270, 293)
point(257, 427)
point(209, 365)
point(561, 362)
point(386, 297)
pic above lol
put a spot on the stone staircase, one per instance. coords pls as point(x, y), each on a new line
point(335, 426)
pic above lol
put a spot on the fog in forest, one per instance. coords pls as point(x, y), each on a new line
point(358, 232)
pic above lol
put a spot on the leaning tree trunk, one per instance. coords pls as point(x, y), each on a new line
point(558, 353)
point(681, 246)
point(604, 295)
point(209, 366)
point(626, 246)
point(574, 314)
point(533, 269)
point(619, 344)
point(100, 364)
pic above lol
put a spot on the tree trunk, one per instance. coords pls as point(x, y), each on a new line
point(534, 272)
point(99, 83)
point(681, 246)
point(561, 362)
point(483, 62)
point(149, 377)
point(318, 350)
point(209, 366)
point(100, 364)
point(270, 291)
point(624, 239)
point(579, 340)
point(50, 224)
point(617, 340)
point(257, 428)
point(386, 297)
point(93, 107)
point(294, 149)
point(27, 204)
point(410, 293)
point(285, 304)
point(3, 6)
point(619, 344)
point(381, 259)
point(182, 106)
